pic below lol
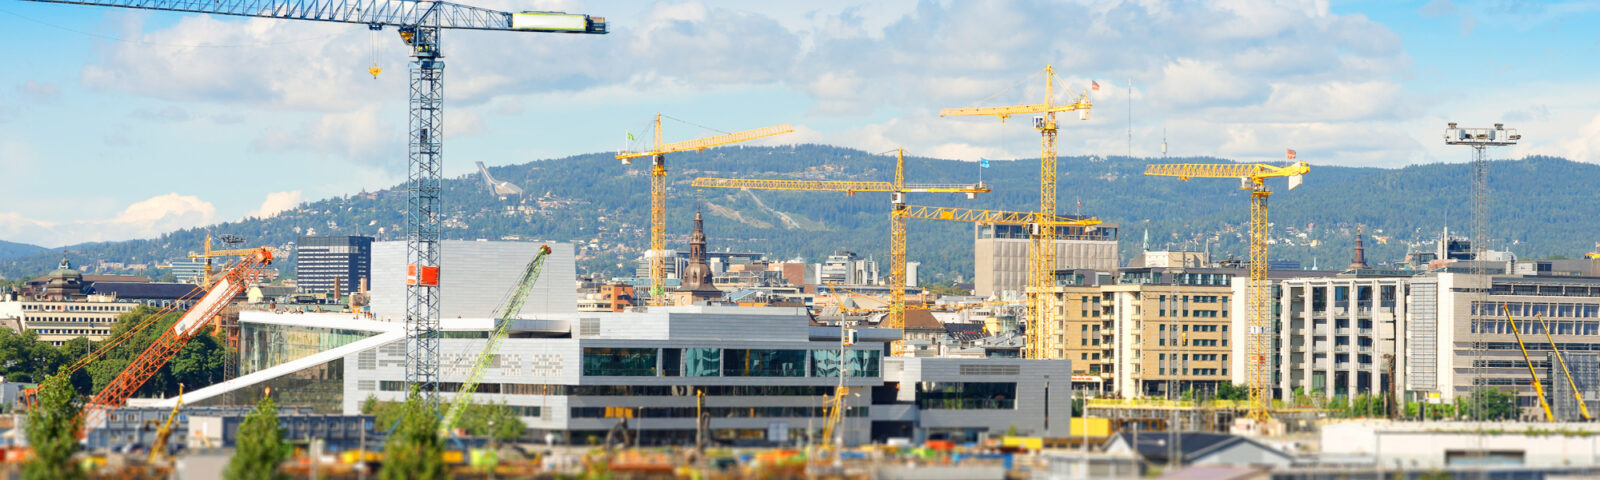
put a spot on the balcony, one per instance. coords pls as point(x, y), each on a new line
point(1365, 332)
point(1345, 332)
point(1364, 349)
point(1341, 349)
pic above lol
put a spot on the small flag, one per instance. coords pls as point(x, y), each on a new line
point(1291, 154)
point(1095, 85)
point(984, 163)
point(630, 136)
point(1080, 203)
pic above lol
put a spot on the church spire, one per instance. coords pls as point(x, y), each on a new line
point(1360, 260)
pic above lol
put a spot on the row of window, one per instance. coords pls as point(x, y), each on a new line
point(1194, 342)
point(630, 390)
point(1194, 371)
point(1531, 309)
point(1199, 357)
point(714, 362)
point(1534, 327)
point(713, 412)
point(967, 395)
point(1194, 328)
point(55, 318)
point(76, 308)
point(73, 331)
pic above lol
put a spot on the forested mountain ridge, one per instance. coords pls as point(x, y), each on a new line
point(1540, 207)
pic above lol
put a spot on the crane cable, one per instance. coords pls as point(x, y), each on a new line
point(373, 41)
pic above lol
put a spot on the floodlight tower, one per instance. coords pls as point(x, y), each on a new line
point(1480, 139)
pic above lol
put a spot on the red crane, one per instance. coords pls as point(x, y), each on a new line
point(229, 286)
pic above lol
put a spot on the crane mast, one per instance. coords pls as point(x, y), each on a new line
point(658, 192)
point(1041, 332)
point(419, 24)
point(502, 329)
point(1258, 337)
point(897, 219)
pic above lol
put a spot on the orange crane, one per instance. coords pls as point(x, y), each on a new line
point(230, 285)
point(1042, 250)
point(897, 219)
point(1258, 339)
point(658, 191)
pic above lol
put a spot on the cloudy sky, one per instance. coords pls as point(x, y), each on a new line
point(119, 124)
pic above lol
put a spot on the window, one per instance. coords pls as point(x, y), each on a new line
point(671, 362)
point(619, 362)
point(967, 395)
point(702, 362)
point(858, 363)
point(764, 363)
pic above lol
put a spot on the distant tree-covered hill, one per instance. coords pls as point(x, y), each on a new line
point(14, 249)
point(1540, 207)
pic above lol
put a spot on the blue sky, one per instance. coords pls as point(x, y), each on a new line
point(118, 124)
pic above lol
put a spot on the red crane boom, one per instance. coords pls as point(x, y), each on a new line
point(232, 283)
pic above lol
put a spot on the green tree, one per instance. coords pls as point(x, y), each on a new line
point(53, 432)
point(414, 451)
point(260, 445)
point(1488, 404)
point(507, 425)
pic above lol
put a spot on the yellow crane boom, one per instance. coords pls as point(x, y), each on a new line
point(1258, 338)
point(1040, 339)
point(658, 191)
point(897, 218)
point(1538, 388)
point(1577, 394)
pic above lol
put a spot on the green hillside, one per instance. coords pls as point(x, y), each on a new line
point(1541, 207)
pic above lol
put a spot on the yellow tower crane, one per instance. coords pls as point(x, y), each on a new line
point(1258, 340)
point(658, 191)
point(1042, 250)
point(897, 219)
point(208, 254)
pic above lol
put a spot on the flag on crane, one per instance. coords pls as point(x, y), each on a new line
point(984, 163)
point(1291, 154)
point(630, 136)
point(1095, 85)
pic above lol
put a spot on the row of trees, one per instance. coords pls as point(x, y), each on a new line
point(24, 358)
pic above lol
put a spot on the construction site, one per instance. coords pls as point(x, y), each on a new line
point(1176, 365)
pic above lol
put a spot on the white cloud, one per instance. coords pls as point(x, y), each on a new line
point(144, 219)
point(40, 91)
point(362, 135)
point(276, 203)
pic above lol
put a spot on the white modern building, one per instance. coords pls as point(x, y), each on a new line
point(766, 372)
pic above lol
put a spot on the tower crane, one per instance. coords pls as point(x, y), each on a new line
point(1258, 340)
point(658, 191)
point(1042, 249)
point(502, 329)
point(419, 24)
point(897, 218)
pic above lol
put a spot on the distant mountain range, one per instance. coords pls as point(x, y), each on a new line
point(1541, 207)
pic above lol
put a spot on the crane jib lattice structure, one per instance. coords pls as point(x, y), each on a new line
point(1041, 331)
point(419, 24)
point(1258, 339)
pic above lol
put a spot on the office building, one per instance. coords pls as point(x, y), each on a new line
point(847, 268)
point(1169, 330)
point(323, 262)
point(1001, 254)
point(1337, 336)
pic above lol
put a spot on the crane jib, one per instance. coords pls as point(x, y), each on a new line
point(394, 13)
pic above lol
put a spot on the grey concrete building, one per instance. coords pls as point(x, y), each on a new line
point(1339, 335)
point(1000, 254)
